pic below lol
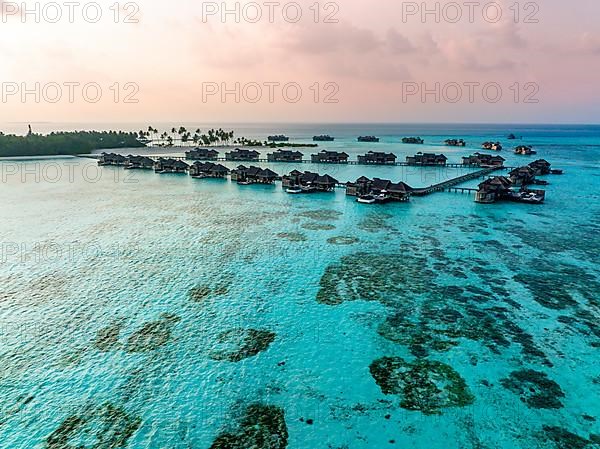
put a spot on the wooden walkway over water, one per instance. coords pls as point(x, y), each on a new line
point(445, 186)
point(449, 184)
point(303, 161)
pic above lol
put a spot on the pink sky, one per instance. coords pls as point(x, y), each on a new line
point(365, 61)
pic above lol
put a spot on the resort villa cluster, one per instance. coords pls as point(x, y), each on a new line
point(513, 187)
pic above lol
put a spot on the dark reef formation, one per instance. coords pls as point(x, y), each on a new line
point(111, 426)
point(261, 427)
point(238, 344)
point(321, 215)
point(152, 335)
point(535, 389)
point(343, 240)
point(427, 386)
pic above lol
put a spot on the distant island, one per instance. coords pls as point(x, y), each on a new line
point(65, 143)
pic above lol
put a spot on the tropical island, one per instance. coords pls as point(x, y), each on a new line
point(65, 143)
point(85, 142)
point(213, 137)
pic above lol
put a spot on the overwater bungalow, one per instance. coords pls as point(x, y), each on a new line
point(253, 175)
point(378, 190)
point(202, 154)
point(169, 165)
point(522, 176)
point(111, 159)
point(330, 157)
point(413, 140)
point(484, 160)
point(524, 150)
point(493, 146)
point(368, 139)
point(242, 155)
point(493, 189)
point(139, 162)
point(541, 167)
point(377, 158)
point(278, 138)
point(208, 170)
point(455, 143)
point(499, 188)
point(308, 182)
point(427, 159)
point(323, 138)
point(285, 156)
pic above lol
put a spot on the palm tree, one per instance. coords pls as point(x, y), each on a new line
point(173, 131)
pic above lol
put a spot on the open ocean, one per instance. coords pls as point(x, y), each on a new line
point(140, 310)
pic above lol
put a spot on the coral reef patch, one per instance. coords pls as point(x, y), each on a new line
point(535, 389)
point(343, 240)
point(104, 427)
point(261, 427)
point(152, 335)
point(427, 386)
point(238, 344)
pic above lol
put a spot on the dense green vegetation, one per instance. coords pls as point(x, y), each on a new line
point(65, 143)
point(213, 137)
point(82, 142)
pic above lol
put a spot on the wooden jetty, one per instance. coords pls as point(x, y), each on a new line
point(308, 161)
point(446, 185)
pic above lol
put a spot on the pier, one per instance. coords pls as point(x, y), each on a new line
point(368, 191)
point(449, 184)
point(308, 161)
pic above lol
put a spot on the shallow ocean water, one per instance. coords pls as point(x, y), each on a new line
point(124, 294)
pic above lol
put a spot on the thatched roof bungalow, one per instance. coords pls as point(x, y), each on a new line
point(139, 162)
point(413, 140)
point(208, 170)
point(493, 146)
point(242, 155)
point(309, 181)
point(330, 157)
point(285, 156)
point(253, 175)
point(377, 158)
point(493, 189)
point(484, 160)
point(385, 189)
point(541, 167)
point(524, 150)
point(427, 159)
point(169, 165)
point(112, 159)
point(202, 154)
point(522, 176)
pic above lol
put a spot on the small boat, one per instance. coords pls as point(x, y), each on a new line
point(366, 199)
point(244, 183)
point(373, 199)
point(294, 190)
point(556, 172)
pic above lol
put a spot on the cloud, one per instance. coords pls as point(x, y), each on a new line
point(331, 38)
point(589, 43)
point(398, 43)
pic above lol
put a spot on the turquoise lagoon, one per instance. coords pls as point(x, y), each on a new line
point(128, 300)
